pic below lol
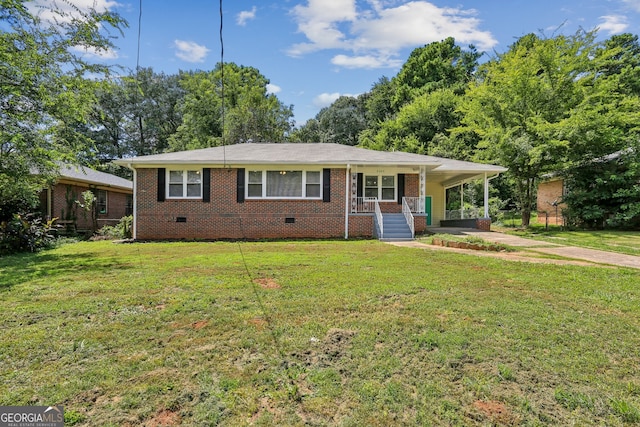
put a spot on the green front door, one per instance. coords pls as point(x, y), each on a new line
point(427, 209)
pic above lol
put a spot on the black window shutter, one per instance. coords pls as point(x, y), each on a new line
point(206, 185)
point(400, 187)
point(240, 186)
point(359, 190)
point(162, 177)
point(326, 185)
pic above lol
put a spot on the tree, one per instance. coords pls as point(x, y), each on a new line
point(419, 126)
point(339, 123)
point(544, 103)
point(417, 109)
point(435, 66)
point(250, 112)
point(605, 192)
point(378, 103)
point(135, 115)
point(44, 99)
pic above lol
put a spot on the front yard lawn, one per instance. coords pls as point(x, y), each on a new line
point(316, 333)
point(625, 242)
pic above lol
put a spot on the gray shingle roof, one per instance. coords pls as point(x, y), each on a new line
point(91, 176)
point(287, 153)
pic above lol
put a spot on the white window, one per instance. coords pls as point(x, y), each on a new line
point(254, 184)
point(185, 184)
point(382, 187)
point(284, 184)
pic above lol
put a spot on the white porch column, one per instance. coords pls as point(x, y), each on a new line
point(347, 201)
point(486, 196)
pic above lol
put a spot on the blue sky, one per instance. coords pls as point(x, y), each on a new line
point(313, 51)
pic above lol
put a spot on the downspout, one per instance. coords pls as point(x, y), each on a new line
point(486, 193)
point(135, 202)
point(346, 201)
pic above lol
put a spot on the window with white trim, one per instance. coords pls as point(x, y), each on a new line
point(382, 187)
point(184, 184)
point(284, 184)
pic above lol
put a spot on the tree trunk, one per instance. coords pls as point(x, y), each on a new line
point(526, 217)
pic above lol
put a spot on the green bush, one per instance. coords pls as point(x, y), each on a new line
point(122, 230)
point(26, 233)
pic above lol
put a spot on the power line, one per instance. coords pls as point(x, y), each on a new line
point(224, 150)
point(139, 33)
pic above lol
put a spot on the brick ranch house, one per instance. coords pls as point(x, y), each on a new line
point(552, 190)
point(114, 198)
point(264, 190)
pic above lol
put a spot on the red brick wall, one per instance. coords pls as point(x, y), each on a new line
point(483, 224)
point(361, 225)
point(64, 206)
point(224, 218)
point(548, 192)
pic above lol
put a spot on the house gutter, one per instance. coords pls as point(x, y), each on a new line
point(346, 202)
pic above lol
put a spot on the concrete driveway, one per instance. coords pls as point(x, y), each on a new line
point(575, 255)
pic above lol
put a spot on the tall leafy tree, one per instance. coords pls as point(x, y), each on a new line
point(250, 112)
point(339, 123)
point(44, 99)
point(135, 115)
point(435, 66)
point(541, 101)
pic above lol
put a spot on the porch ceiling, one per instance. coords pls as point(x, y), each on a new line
point(452, 179)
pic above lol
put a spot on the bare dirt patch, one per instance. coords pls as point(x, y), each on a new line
point(495, 411)
point(199, 324)
point(164, 418)
point(267, 283)
point(258, 322)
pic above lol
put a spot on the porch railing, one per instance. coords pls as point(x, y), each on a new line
point(408, 216)
point(379, 218)
point(415, 204)
point(363, 205)
point(468, 213)
point(367, 204)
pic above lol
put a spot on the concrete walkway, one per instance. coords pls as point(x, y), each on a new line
point(528, 249)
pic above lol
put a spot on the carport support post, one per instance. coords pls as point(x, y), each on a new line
point(486, 196)
point(462, 200)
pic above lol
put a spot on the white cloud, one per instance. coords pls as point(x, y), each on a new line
point(367, 61)
point(634, 4)
point(613, 24)
point(375, 31)
point(326, 99)
point(94, 53)
point(246, 15)
point(271, 88)
point(190, 51)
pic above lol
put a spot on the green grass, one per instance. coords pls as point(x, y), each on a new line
point(625, 242)
point(332, 333)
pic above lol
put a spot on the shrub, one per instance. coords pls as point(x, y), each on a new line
point(25, 233)
point(122, 230)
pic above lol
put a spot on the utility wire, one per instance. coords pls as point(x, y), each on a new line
point(139, 36)
point(224, 149)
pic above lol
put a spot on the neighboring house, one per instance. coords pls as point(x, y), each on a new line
point(549, 200)
point(114, 198)
point(553, 188)
point(261, 190)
